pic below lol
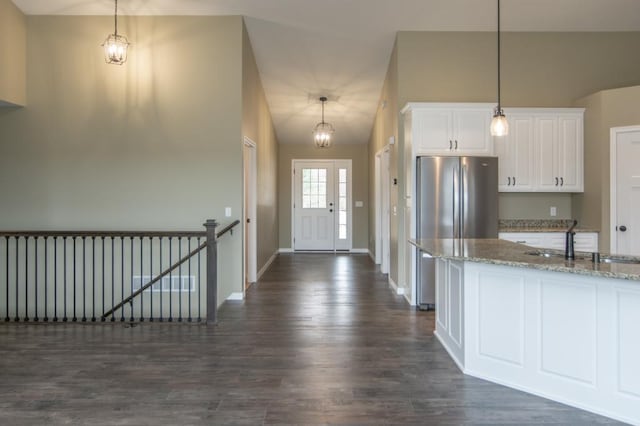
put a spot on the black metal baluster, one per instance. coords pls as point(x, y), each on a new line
point(17, 317)
point(46, 281)
point(26, 279)
point(199, 286)
point(161, 285)
point(189, 280)
point(151, 278)
point(75, 318)
point(35, 318)
point(6, 238)
point(93, 282)
point(170, 284)
point(113, 277)
point(64, 276)
point(141, 281)
point(180, 280)
point(84, 282)
point(103, 295)
point(122, 273)
point(55, 279)
point(131, 282)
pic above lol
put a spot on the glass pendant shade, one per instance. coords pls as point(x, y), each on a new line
point(115, 49)
point(323, 131)
point(115, 45)
point(322, 134)
point(499, 124)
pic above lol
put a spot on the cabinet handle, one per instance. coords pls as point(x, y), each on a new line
point(450, 145)
point(561, 181)
point(509, 181)
point(456, 145)
point(556, 181)
point(514, 181)
point(521, 242)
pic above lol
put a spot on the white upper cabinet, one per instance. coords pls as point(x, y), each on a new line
point(516, 155)
point(543, 151)
point(449, 129)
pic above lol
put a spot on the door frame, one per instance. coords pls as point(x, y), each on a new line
point(249, 201)
point(383, 209)
point(613, 189)
point(350, 202)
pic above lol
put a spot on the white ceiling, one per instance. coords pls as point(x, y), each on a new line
point(341, 48)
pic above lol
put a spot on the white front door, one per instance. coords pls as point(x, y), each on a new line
point(322, 205)
point(626, 223)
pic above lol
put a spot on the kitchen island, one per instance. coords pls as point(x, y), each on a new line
point(562, 329)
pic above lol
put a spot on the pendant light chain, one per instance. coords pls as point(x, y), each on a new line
point(115, 18)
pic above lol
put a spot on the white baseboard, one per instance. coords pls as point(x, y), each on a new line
point(285, 250)
point(236, 296)
point(398, 290)
point(406, 297)
point(266, 265)
point(359, 250)
point(372, 256)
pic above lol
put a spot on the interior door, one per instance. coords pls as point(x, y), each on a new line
point(314, 226)
point(627, 220)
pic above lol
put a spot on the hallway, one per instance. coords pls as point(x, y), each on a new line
point(320, 339)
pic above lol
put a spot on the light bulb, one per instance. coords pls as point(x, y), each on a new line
point(499, 124)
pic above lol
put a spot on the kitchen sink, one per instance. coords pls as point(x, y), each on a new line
point(545, 253)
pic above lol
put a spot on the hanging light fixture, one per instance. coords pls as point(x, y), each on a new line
point(115, 46)
point(499, 124)
point(323, 131)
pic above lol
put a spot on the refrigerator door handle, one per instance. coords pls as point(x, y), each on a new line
point(456, 203)
point(462, 214)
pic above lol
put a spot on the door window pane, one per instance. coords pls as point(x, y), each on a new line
point(314, 188)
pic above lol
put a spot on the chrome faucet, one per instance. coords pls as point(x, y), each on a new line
point(569, 252)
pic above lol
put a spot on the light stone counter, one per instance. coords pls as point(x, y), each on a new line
point(502, 252)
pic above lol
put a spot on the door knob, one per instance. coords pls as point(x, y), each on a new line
point(622, 228)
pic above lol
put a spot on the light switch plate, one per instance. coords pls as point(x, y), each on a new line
point(359, 204)
point(553, 211)
point(227, 211)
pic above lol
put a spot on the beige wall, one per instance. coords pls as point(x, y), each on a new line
point(258, 126)
point(13, 54)
point(153, 144)
point(604, 110)
point(539, 69)
point(360, 189)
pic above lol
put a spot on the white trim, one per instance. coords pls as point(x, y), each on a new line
point(360, 250)
point(377, 258)
point(613, 188)
point(266, 265)
point(236, 296)
point(373, 258)
point(250, 252)
point(406, 297)
point(285, 250)
point(451, 353)
point(396, 288)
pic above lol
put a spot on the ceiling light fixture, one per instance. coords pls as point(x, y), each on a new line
point(323, 131)
point(115, 46)
point(499, 124)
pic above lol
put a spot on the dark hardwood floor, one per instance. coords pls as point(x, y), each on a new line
point(320, 339)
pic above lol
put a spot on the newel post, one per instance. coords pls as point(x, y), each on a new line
point(212, 271)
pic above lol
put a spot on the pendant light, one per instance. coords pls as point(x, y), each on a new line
point(499, 124)
point(115, 46)
point(323, 131)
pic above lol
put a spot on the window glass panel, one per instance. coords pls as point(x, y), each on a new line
point(343, 203)
point(343, 218)
point(343, 190)
point(342, 175)
point(314, 189)
point(342, 232)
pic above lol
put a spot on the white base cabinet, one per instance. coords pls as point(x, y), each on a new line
point(450, 308)
point(567, 337)
point(582, 241)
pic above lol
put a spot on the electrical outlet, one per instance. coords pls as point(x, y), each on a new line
point(553, 211)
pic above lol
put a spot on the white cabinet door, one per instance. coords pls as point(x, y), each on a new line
point(471, 135)
point(516, 155)
point(570, 153)
point(559, 142)
point(432, 131)
point(532, 239)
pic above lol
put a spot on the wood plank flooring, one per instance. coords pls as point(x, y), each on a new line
point(320, 339)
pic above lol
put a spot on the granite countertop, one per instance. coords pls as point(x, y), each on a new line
point(540, 225)
point(502, 252)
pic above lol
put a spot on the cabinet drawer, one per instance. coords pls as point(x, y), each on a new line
point(533, 239)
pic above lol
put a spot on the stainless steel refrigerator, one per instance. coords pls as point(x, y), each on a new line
point(457, 197)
